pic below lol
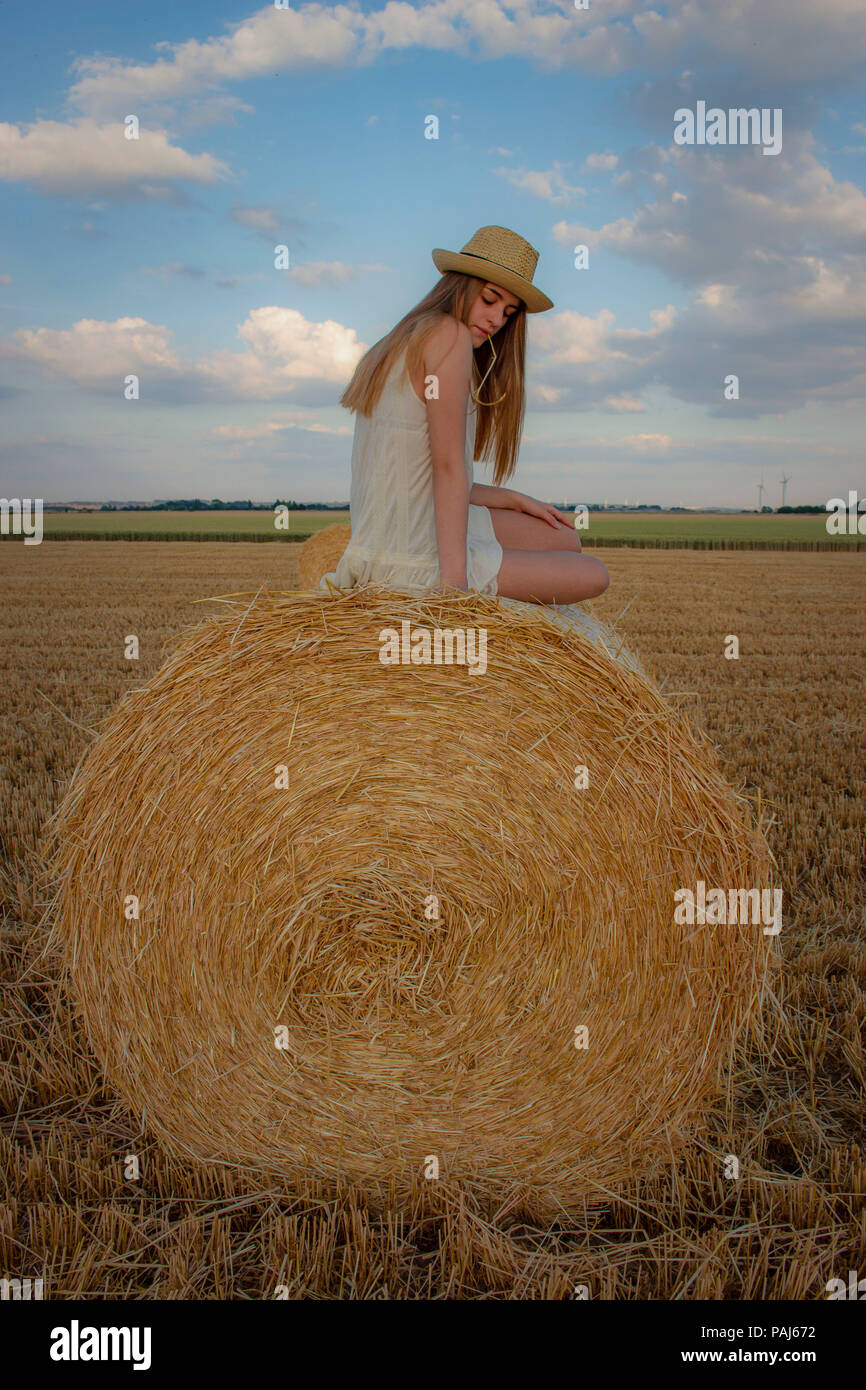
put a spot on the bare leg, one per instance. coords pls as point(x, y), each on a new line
point(542, 563)
point(550, 576)
point(517, 531)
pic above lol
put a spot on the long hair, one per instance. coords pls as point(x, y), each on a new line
point(498, 427)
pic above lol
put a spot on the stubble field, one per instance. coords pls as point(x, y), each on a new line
point(787, 717)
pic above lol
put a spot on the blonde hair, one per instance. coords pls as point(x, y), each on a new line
point(498, 427)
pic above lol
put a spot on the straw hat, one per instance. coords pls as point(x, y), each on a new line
point(502, 257)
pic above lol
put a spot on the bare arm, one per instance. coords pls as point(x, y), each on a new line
point(448, 357)
point(486, 495)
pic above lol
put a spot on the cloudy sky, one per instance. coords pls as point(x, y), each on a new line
point(305, 127)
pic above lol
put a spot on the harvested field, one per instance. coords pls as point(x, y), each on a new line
point(787, 717)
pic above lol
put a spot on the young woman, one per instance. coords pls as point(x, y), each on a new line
point(446, 387)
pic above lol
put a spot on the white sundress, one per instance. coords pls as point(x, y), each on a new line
point(391, 500)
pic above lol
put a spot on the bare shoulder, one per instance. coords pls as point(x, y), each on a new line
point(450, 336)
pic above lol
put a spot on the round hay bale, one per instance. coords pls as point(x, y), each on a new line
point(333, 917)
point(321, 553)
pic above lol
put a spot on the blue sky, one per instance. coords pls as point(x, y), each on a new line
point(305, 127)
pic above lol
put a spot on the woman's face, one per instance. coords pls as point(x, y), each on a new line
point(492, 307)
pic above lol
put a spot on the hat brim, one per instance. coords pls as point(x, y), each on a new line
point(536, 302)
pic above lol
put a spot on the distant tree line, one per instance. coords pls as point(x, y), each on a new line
point(197, 504)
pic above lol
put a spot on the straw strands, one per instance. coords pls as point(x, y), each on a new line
point(321, 553)
point(373, 908)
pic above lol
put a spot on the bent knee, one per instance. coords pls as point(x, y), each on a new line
point(594, 574)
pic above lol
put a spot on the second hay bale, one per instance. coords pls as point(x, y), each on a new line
point(320, 553)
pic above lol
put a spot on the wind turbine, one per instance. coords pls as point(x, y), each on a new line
point(761, 493)
point(784, 481)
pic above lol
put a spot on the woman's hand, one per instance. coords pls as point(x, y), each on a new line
point(545, 511)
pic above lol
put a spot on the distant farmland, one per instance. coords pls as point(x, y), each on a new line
point(699, 530)
point(186, 525)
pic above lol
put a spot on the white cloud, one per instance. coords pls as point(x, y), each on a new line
point(284, 353)
point(603, 162)
point(787, 40)
point(85, 158)
point(542, 183)
point(714, 296)
point(261, 219)
point(573, 339)
point(284, 347)
point(736, 213)
point(328, 272)
point(587, 363)
point(774, 261)
point(648, 443)
point(796, 41)
point(269, 39)
point(570, 339)
point(94, 351)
